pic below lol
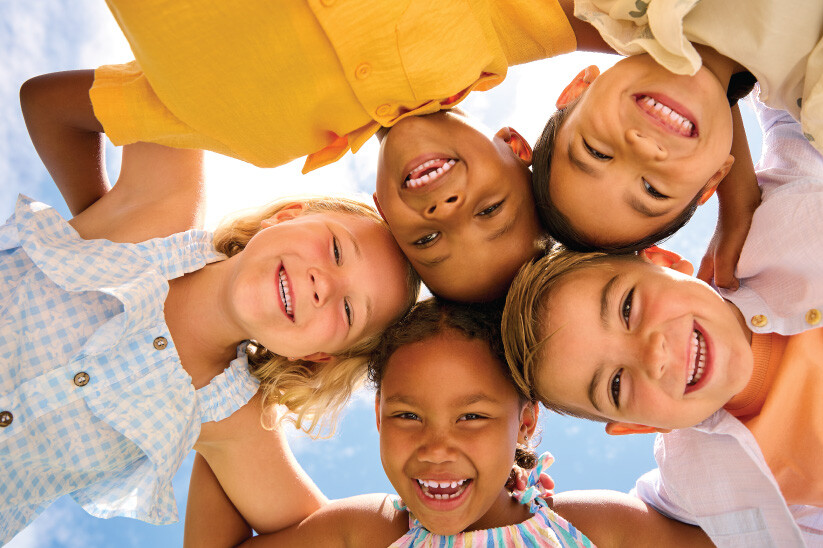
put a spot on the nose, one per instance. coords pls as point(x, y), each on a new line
point(444, 207)
point(323, 286)
point(654, 355)
point(436, 448)
point(644, 146)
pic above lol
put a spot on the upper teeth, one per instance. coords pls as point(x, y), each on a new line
point(697, 358)
point(441, 484)
point(428, 177)
point(671, 117)
point(426, 485)
point(285, 296)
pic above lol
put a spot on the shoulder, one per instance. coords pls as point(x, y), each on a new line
point(369, 520)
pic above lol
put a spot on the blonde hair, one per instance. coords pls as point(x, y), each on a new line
point(524, 317)
point(313, 392)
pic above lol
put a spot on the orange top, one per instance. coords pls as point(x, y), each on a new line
point(783, 407)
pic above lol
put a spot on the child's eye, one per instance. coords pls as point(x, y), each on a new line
point(595, 153)
point(626, 307)
point(347, 307)
point(491, 209)
point(336, 248)
point(614, 388)
point(427, 240)
point(653, 191)
point(409, 416)
point(471, 417)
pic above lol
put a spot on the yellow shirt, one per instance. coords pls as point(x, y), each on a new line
point(268, 82)
point(783, 407)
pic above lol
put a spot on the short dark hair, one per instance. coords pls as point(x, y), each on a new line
point(557, 224)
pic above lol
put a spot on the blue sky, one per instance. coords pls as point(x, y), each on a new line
point(39, 36)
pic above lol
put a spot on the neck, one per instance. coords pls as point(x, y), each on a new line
point(741, 320)
point(504, 511)
point(204, 333)
point(721, 66)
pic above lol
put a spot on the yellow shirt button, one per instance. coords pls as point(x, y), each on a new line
point(383, 110)
point(160, 343)
point(759, 320)
point(81, 379)
point(5, 418)
point(813, 316)
point(362, 71)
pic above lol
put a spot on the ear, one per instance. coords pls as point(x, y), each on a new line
point(667, 259)
point(318, 357)
point(519, 145)
point(577, 86)
point(288, 213)
point(715, 180)
point(528, 422)
point(377, 205)
point(623, 428)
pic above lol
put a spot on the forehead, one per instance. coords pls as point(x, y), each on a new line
point(444, 367)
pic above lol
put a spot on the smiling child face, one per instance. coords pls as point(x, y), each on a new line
point(640, 344)
point(458, 203)
point(449, 420)
point(641, 144)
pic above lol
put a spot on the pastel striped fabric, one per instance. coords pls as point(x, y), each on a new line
point(102, 408)
point(543, 529)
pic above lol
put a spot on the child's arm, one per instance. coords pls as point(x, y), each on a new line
point(738, 195)
point(588, 38)
point(362, 521)
point(66, 134)
point(257, 470)
point(211, 518)
point(613, 519)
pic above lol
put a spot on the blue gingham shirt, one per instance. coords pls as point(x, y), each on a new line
point(100, 405)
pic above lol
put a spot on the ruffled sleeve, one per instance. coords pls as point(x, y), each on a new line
point(228, 391)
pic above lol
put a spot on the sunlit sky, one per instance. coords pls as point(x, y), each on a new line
point(39, 36)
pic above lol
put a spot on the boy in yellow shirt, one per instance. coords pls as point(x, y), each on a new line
point(268, 82)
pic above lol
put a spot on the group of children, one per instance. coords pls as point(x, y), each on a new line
point(171, 338)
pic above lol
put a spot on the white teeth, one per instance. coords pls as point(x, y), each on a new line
point(697, 358)
point(413, 182)
point(285, 296)
point(664, 113)
point(426, 485)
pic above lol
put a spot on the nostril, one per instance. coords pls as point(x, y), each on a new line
point(316, 297)
point(431, 209)
point(451, 199)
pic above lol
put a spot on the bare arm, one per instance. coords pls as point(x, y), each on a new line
point(257, 470)
point(613, 519)
point(738, 196)
point(66, 134)
point(588, 39)
point(211, 518)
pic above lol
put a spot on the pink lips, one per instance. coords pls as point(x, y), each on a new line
point(707, 369)
point(285, 292)
point(427, 172)
point(442, 505)
point(668, 114)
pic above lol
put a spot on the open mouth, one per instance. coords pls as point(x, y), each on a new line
point(428, 172)
point(286, 296)
point(443, 490)
point(697, 359)
point(668, 115)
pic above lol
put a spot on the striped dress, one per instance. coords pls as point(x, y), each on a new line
point(543, 529)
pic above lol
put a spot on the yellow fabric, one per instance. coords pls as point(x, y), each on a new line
point(783, 408)
point(271, 81)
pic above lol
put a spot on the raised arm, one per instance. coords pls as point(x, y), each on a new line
point(588, 39)
point(617, 520)
point(66, 134)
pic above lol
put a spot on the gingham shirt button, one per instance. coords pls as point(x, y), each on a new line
point(813, 316)
point(81, 379)
point(160, 343)
point(5, 418)
point(759, 320)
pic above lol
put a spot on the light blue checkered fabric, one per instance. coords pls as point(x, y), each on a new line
point(69, 305)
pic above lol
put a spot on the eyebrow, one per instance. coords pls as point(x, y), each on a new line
point(606, 297)
point(593, 388)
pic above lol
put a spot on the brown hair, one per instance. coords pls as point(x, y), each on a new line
point(558, 225)
point(525, 315)
point(475, 321)
point(313, 392)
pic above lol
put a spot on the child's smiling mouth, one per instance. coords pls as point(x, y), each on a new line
point(442, 495)
point(698, 365)
point(286, 294)
point(668, 114)
point(427, 172)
